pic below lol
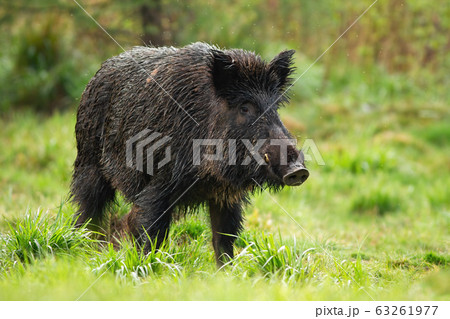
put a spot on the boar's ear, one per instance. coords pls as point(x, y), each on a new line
point(281, 67)
point(223, 70)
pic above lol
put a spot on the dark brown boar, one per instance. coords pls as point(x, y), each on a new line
point(195, 93)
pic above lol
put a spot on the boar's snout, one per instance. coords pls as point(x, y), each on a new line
point(284, 160)
point(296, 174)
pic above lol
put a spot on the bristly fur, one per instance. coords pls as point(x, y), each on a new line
point(137, 90)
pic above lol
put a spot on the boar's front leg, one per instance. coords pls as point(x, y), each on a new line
point(226, 223)
point(150, 218)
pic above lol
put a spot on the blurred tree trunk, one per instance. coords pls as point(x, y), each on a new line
point(151, 16)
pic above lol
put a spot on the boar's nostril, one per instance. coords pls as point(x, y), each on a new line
point(296, 177)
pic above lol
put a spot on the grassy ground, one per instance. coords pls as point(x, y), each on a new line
point(372, 223)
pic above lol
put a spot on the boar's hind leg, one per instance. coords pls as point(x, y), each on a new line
point(91, 192)
point(226, 223)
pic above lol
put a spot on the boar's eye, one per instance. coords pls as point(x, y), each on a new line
point(245, 108)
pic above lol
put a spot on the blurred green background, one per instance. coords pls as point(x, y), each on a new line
point(51, 48)
point(376, 105)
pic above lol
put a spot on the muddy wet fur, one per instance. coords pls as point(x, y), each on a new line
point(224, 92)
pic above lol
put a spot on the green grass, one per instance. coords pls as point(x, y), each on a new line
point(37, 236)
point(372, 223)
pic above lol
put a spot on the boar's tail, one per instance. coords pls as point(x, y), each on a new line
point(89, 188)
